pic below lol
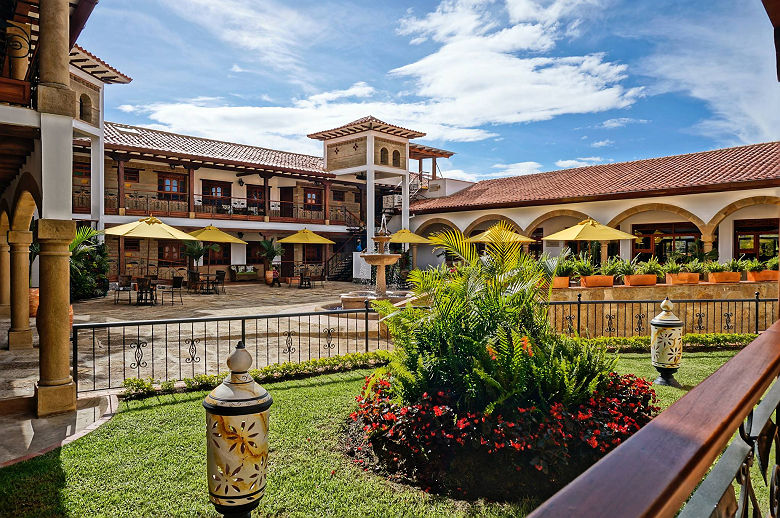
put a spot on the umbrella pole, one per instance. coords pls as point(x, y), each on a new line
point(147, 256)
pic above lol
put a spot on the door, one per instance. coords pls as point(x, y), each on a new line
point(286, 199)
point(288, 261)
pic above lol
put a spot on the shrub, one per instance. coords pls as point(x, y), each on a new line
point(613, 266)
point(715, 267)
point(627, 268)
point(137, 388)
point(566, 268)
point(650, 267)
point(536, 451)
point(583, 266)
point(672, 267)
point(773, 263)
point(695, 266)
point(692, 341)
point(754, 265)
point(735, 265)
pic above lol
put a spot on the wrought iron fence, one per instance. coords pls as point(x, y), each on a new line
point(105, 354)
point(632, 317)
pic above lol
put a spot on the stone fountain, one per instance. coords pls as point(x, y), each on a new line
point(380, 258)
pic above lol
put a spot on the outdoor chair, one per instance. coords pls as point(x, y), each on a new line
point(219, 282)
point(125, 284)
point(146, 293)
point(173, 289)
point(193, 281)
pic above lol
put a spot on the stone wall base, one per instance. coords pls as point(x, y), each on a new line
point(50, 400)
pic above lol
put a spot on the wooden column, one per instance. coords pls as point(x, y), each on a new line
point(433, 168)
point(120, 187)
point(121, 258)
point(326, 202)
point(191, 191)
point(266, 198)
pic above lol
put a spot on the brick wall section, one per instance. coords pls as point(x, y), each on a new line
point(350, 153)
point(85, 88)
point(390, 145)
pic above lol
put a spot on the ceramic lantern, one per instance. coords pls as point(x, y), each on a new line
point(237, 439)
point(666, 332)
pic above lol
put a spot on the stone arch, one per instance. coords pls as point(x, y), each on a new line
point(26, 198)
point(5, 215)
point(733, 207)
point(491, 217)
point(85, 108)
point(383, 156)
point(663, 207)
point(555, 214)
point(433, 221)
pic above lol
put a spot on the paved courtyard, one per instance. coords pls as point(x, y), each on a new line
point(170, 352)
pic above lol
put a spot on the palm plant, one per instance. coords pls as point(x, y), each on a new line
point(195, 250)
point(82, 245)
point(486, 318)
point(269, 251)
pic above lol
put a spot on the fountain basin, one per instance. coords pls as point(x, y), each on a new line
point(380, 259)
point(357, 299)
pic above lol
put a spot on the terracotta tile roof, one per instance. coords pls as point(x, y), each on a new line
point(135, 138)
point(708, 171)
point(366, 123)
point(94, 66)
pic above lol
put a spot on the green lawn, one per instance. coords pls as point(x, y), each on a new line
point(150, 459)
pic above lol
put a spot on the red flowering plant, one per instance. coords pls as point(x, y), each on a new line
point(481, 396)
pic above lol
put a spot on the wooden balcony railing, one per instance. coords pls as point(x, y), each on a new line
point(220, 207)
point(654, 472)
point(82, 200)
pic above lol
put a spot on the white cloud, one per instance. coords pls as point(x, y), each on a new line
point(236, 68)
point(127, 108)
point(620, 122)
point(360, 89)
point(579, 162)
point(516, 169)
point(723, 57)
point(460, 174)
point(270, 31)
point(602, 143)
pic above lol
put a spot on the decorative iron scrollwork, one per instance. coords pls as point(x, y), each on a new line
point(192, 344)
point(610, 323)
point(138, 354)
point(328, 332)
point(640, 322)
point(728, 325)
point(288, 342)
point(569, 323)
point(700, 316)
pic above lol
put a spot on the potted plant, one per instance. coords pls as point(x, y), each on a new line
point(674, 273)
point(643, 274)
point(721, 272)
point(588, 276)
point(268, 252)
point(758, 271)
point(563, 273)
point(693, 270)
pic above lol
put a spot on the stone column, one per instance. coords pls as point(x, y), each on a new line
point(20, 334)
point(55, 391)
point(5, 276)
point(54, 93)
point(604, 251)
point(707, 244)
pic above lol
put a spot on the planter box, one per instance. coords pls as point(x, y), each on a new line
point(724, 277)
point(764, 275)
point(597, 281)
point(682, 278)
point(640, 280)
point(560, 282)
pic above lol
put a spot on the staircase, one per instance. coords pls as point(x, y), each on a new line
point(339, 266)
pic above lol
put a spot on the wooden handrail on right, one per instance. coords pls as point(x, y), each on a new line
point(655, 471)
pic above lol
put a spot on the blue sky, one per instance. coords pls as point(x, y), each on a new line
point(512, 86)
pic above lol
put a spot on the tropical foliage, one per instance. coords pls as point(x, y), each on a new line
point(88, 265)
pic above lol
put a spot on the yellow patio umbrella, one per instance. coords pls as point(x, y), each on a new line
point(589, 230)
point(306, 237)
point(211, 234)
point(407, 236)
point(499, 235)
point(149, 228)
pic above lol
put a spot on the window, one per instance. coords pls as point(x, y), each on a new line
point(339, 195)
point(665, 240)
point(536, 248)
point(312, 254)
point(132, 245)
point(85, 108)
point(312, 199)
point(171, 187)
point(216, 193)
point(396, 158)
point(383, 156)
point(756, 238)
point(170, 253)
point(254, 253)
point(81, 170)
point(132, 175)
point(255, 196)
point(221, 255)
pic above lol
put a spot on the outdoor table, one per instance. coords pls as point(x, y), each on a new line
point(209, 280)
point(147, 297)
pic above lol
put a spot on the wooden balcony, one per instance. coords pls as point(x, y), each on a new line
point(18, 46)
point(142, 203)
